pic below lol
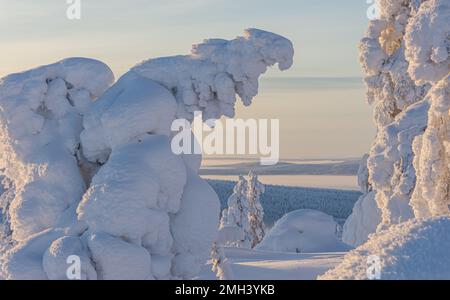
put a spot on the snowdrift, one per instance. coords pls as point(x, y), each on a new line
point(365, 215)
point(414, 250)
point(303, 231)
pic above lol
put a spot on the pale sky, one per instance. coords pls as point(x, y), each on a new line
point(122, 33)
point(325, 34)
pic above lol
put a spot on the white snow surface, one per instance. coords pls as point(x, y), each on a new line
point(230, 234)
point(366, 215)
point(25, 260)
point(122, 189)
point(195, 227)
point(413, 250)
point(303, 231)
point(116, 259)
point(149, 109)
point(363, 221)
point(246, 264)
point(55, 260)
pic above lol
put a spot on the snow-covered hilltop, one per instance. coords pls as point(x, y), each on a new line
point(88, 167)
point(406, 59)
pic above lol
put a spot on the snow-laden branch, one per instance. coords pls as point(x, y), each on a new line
point(209, 78)
point(428, 49)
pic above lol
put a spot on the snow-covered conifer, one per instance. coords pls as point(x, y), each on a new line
point(255, 190)
point(400, 113)
point(238, 204)
point(428, 53)
point(415, 249)
point(432, 194)
point(236, 215)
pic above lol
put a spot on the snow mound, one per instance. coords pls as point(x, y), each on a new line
point(115, 258)
point(128, 204)
point(149, 109)
point(55, 261)
point(366, 215)
point(414, 250)
point(303, 231)
point(24, 261)
point(122, 189)
point(195, 227)
point(363, 221)
point(208, 79)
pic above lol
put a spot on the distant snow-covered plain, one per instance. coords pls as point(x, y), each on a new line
point(327, 174)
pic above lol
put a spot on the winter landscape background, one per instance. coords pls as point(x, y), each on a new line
point(93, 184)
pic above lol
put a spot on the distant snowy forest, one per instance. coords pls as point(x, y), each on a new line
point(280, 200)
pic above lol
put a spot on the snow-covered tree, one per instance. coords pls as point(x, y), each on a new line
point(400, 114)
point(418, 248)
point(236, 215)
point(255, 210)
point(99, 179)
point(220, 264)
point(428, 53)
point(41, 120)
point(224, 218)
point(432, 194)
point(245, 212)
